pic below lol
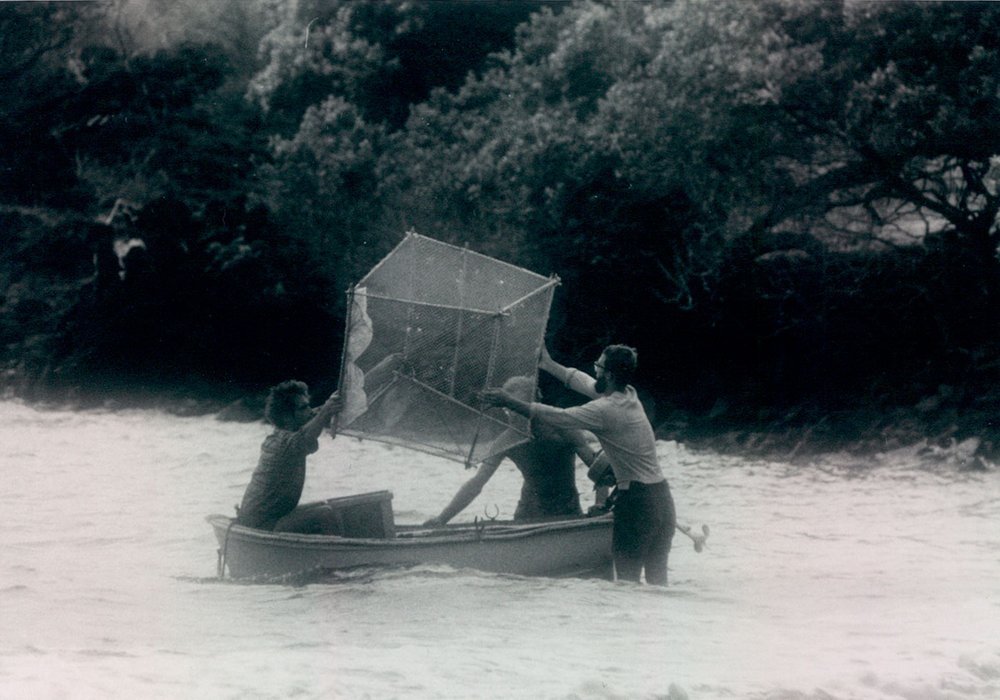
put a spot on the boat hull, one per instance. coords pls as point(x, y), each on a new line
point(570, 547)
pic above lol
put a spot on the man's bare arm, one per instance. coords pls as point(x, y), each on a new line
point(467, 492)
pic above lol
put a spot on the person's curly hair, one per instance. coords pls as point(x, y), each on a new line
point(281, 402)
point(621, 361)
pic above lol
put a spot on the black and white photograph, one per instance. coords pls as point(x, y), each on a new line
point(543, 349)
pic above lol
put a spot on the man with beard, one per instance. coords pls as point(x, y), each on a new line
point(644, 510)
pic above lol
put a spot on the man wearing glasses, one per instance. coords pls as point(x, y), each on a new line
point(644, 510)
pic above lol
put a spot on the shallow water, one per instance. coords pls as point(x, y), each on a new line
point(838, 579)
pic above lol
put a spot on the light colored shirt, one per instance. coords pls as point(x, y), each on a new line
point(620, 424)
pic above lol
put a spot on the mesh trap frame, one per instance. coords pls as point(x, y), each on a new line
point(429, 328)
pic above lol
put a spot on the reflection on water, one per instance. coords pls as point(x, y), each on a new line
point(844, 578)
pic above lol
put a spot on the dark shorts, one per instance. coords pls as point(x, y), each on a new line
point(643, 529)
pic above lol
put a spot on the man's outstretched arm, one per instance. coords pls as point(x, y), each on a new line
point(577, 418)
point(467, 492)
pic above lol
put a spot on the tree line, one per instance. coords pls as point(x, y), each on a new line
point(782, 204)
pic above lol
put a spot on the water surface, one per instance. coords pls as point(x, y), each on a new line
point(840, 579)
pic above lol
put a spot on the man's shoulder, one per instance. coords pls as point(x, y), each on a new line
point(617, 402)
point(627, 395)
point(598, 406)
point(282, 439)
point(603, 401)
point(279, 436)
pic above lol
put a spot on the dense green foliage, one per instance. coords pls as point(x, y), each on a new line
point(781, 203)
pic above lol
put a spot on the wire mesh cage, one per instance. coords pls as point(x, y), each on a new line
point(429, 328)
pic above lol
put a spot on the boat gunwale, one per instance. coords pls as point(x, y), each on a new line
point(417, 537)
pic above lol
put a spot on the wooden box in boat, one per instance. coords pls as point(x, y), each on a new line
point(560, 547)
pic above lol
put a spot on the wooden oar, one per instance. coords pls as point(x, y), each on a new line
point(699, 540)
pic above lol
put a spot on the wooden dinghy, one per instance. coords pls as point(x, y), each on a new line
point(579, 546)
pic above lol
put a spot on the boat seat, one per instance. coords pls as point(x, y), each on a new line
point(364, 515)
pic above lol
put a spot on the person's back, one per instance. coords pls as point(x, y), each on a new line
point(547, 464)
point(276, 485)
point(548, 467)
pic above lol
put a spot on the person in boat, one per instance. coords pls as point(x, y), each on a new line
point(547, 464)
point(271, 500)
point(644, 517)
